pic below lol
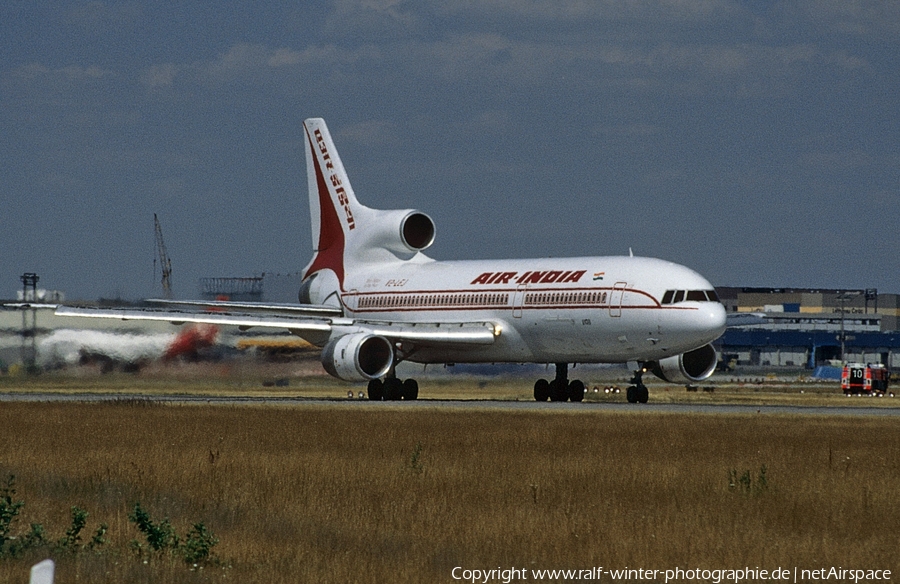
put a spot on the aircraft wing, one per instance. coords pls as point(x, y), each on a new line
point(304, 320)
point(265, 307)
point(245, 321)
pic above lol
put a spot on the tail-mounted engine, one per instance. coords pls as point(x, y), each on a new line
point(358, 357)
point(404, 233)
point(689, 367)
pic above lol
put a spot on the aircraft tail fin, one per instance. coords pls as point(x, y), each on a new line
point(346, 233)
point(331, 200)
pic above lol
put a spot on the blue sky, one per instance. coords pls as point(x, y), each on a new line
point(756, 142)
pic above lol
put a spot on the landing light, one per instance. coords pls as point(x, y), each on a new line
point(497, 330)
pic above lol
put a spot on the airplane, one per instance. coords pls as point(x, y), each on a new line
point(371, 299)
point(129, 351)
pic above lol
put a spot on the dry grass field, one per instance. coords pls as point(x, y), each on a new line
point(379, 493)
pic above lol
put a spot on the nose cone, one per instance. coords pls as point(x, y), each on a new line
point(702, 323)
point(713, 319)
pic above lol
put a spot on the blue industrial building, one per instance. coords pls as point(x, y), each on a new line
point(807, 348)
point(807, 328)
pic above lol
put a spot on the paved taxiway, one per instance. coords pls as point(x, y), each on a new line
point(465, 404)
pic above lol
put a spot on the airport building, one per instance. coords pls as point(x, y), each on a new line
point(268, 287)
point(793, 327)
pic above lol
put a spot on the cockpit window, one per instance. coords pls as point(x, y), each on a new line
point(696, 295)
point(676, 296)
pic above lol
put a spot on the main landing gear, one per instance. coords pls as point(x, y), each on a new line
point(393, 389)
point(560, 389)
point(637, 392)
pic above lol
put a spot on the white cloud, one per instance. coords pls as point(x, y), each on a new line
point(239, 59)
point(251, 61)
point(285, 56)
point(159, 75)
point(864, 18)
point(595, 10)
point(369, 133)
point(38, 71)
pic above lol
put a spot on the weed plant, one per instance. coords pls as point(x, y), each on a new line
point(382, 493)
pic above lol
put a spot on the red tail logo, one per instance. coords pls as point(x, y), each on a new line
point(330, 250)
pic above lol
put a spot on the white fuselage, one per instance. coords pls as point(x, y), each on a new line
point(587, 310)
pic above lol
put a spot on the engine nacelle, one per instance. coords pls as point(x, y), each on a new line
point(358, 357)
point(402, 232)
point(689, 367)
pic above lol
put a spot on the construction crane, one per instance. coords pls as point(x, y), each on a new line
point(164, 262)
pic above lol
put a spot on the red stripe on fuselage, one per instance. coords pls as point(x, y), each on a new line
point(510, 292)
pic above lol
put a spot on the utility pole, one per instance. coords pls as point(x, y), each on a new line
point(29, 358)
point(165, 263)
point(843, 297)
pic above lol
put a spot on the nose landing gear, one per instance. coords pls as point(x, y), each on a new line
point(637, 392)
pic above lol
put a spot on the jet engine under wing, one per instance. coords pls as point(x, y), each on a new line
point(318, 327)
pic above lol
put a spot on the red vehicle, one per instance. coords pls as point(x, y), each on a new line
point(860, 378)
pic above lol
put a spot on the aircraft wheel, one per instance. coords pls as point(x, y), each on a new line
point(393, 389)
point(541, 390)
point(631, 394)
point(410, 389)
point(643, 394)
point(576, 391)
point(375, 390)
point(558, 391)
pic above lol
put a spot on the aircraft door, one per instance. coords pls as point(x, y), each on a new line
point(519, 300)
point(351, 300)
point(616, 298)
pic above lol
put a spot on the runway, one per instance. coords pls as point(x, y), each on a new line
point(466, 405)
